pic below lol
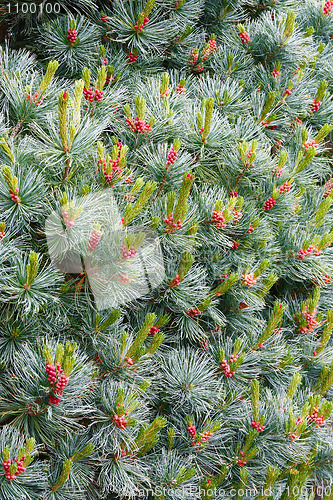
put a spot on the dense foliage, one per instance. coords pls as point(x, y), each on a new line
point(166, 225)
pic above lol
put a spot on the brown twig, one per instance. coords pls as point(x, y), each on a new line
point(67, 169)
point(17, 128)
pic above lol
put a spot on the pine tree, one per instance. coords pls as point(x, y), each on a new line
point(166, 229)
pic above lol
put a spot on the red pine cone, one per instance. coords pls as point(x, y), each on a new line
point(51, 373)
point(53, 400)
point(14, 196)
point(257, 426)
point(226, 368)
point(218, 219)
point(315, 106)
point(277, 171)
point(193, 312)
point(138, 27)
point(94, 240)
point(180, 89)
point(212, 44)
point(120, 422)
point(153, 330)
point(312, 143)
point(98, 95)
point(88, 94)
point(172, 156)
point(131, 58)
point(72, 36)
point(327, 9)
point(140, 125)
point(269, 203)
point(19, 470)
point(128, 253)
point(191, 430)
point(206, 435)
point(129, 361)
point(61, 384)
point(285, 188)
point(245, 38)
point(175, 281)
